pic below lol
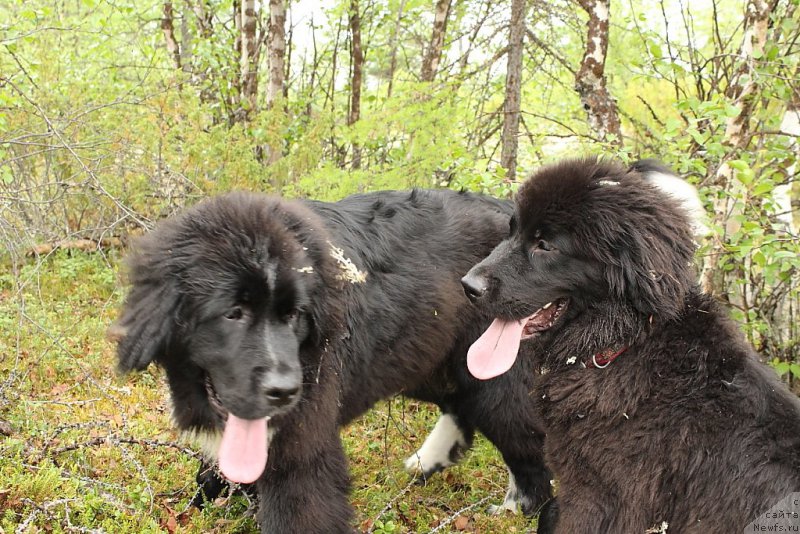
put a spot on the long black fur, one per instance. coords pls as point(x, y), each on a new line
point(243, 289)
point(685, 427)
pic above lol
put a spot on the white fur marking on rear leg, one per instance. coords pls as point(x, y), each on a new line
point(435, 450)
point(510, 502)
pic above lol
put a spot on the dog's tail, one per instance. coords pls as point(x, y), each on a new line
point(669, 182)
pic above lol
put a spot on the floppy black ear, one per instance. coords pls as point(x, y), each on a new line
point(652, 267)
point(661, 283)
point(146, 326)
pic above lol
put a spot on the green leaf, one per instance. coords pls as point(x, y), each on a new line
point(6, 176)
point(772, 51)
point(732, 110)
point(673, 125)
point(697, 136)
point(784, 254)
point(795, 369)
point(738, 164)
point(745, 176)
point(763, 187)
point(655, 50)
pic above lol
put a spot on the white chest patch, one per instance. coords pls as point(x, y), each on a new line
point(208, 441)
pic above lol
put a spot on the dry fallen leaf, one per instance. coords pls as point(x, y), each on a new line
point(171, 524)
point(461, 523)
point(5, 429)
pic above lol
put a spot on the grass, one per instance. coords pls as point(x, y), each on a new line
point(83, 450)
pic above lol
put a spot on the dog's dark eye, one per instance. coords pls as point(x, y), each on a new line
point(542, 246)
point(234, 314)
point(292, 316)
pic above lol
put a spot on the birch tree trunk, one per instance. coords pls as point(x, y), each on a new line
point(590, 81)
point(234, 100)
point(204, 18)
point(185, 52)
point(168, 27)
point(790, 125)
point(277, 68)
point(742, 90)
point(393, 46)
point(357, 58)
point(511, 106)
point(430, 63)
point(786, 313)
point(247, 59)
point(277, 50)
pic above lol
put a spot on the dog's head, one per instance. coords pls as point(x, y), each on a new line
point(584, 232)
point(225, 296)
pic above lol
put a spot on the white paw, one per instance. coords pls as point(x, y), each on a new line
point(510, 502)
point(435, 453)
point(507, 506)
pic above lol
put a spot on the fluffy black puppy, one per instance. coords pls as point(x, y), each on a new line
point(658, 414)
point(502, 406)
point(278, 321)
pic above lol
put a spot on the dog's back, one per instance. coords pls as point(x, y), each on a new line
point(731, 449)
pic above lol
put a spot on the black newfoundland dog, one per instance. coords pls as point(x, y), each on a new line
point(278, 321)
point(658, 415)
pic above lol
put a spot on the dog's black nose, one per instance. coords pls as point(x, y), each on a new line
point(474, 286)
point(281, 396)
point(280, 388)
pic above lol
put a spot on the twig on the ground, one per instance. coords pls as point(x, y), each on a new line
point(116, 440)
point(390, 504)
point(43, 508)
point(96, 485)
point(457, 513)
point(84, 245)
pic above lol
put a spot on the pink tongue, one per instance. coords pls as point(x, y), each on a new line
point(243, 451)
point(495, 351)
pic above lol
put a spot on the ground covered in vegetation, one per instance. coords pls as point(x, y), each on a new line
point(116, 114)
point(84, 450)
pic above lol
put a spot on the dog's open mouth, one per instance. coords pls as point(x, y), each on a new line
point(242, 452)
point(213, 399)
point(496, 350)
point(544, 318)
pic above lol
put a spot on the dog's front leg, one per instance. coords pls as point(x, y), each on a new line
point(548, 517)
point(305, 489)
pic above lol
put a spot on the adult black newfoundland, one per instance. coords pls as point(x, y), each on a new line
point(658, 415)
point(278, 321)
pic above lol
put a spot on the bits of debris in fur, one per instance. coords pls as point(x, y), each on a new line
point(658, 529)
point(350, 272)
